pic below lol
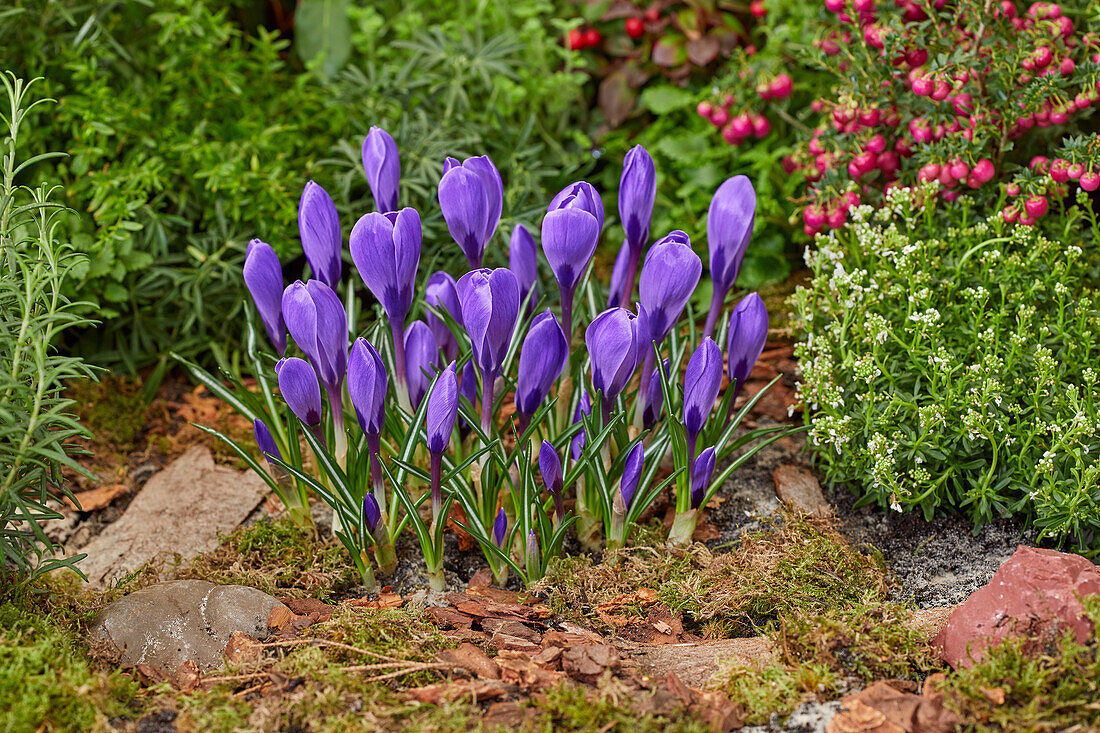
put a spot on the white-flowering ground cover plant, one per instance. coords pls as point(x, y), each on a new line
point(955, 367)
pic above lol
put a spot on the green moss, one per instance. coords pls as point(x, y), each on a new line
point(1053, 687)
point(113, 408)
point(567, 706)
point(46, 680)
point(777, 688)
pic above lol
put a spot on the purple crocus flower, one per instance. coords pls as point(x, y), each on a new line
point(316, 319)
point(382, 163)
point(637, 190)
point(500, 527)
point(701, 384)
point(654, 400)
point(669, 276)
point(580, 195)
point(632, 472)
point(701, 472)
point(386, 251)
point(618, 277)
point(570, 231)
point(550, 467)
point(319, 228)
point(747, 334)
point(467, 386)
point(367, 385)
point(612, 340)
point(471, 196)
point(371, 512)
point(441, 294)
point(541, 359)
point(422, 357)
point(523, 262)
point(729, 227)
point(440, 423)
point(584, 407)
point(490, 307)
point(299, 387)
point(264, 441)
point(263, 276)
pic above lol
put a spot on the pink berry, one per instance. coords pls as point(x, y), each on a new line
point(1066, 67)
point(704, 108)
point(959, 169)
point(813, 216)
point(1010, 214)
point(929, 172)
point(782, 86)
point(876, 144)
point(760, 126)
point(983, 170)
point(719, 116)
point(1013, 189)
point(741, 125)
point(836, 218)
point(1090, 181)
point(1075, 171)
point(1039, 164)
point(1059, 170)
point(1036, 206)
point(923, 87)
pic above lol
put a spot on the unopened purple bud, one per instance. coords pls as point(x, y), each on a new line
point(299, 387)
point(584, 407)
point(264, 441)
point(637, 190)
point(655, 399)
point(441, 294)
point(422, 359)
point(701, 384)
point(612, 341)
point(367, 385)
point(569, 238)
point(319, 228)
point(263, 275)
point(500, 527)
point(700, 477)
point(541, 359)
point(382, 163)
point(729, 227)
point(471, 196)
point(386, 251)
point(580, 195)
point(669, 275)
point(316, 319)
point(632, 472)
point(490, 307)
point(371, 512)
point(532, 548)
point(748, 332)
point(523, 262)
point(550, 466)
point(442, 410)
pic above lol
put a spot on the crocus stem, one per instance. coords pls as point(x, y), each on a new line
point(384, 551)
point(643, 388)
point(339, 444)
point(437, 490)
point(683, 527)
point(374, 448)
point(588, 525)
point(567, 312)
point(500, 575)
point(716, 302)
point(631, 271)
point(366, 571)
point(488, 382)
point(617, 535)
point(436, 580)
point(400, 377)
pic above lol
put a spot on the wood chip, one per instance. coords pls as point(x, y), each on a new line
point(242, 648)
point(98, 498)
point(472, 659)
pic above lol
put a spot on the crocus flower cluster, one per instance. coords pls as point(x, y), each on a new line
point(482, 392)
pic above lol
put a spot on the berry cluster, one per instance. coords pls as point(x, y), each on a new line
point(748, 121)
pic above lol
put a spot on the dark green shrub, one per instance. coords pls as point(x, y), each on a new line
point(950, 363)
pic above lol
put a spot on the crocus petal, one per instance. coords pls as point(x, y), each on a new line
point(441, 294)
point(263, 276)
point(655, 399)
point(748, 333)
point(332, 334)
point(386, 251)
point(584, 407)
point(637, 190)
point(580, 195)
point(541, 359)
point(442, 410)
point(701, 384)
point(421, 358)
point(523, 262)
point(319, 229)
point(729, 227)
point(382, 164)
point(367, 385)
point(299, 387)
point(465, 205)
point(494, 193)
point(669, 276)
point(700, 476)
point(632, 472)
point(490, 307)
point(569, 239)
point(612, 341)
point(371, 512)
point(550, 467)
point(264, 441)
point(500, 526)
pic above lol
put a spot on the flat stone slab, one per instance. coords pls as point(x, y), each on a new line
point(181, 510)
point(170, 623)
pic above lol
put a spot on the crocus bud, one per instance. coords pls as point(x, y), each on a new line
point(263, 276)
point(541, 359)
point(729, 227)
point(490, 306)
point(442, 410)
point(371, 512)
point(569, 237)
point(316, 319)
point(382, 163)
point(299, 387)
point(523, 262)
point(618, 277)
point(580, 195)
point(701, 384)
point(612, 341)
point(550, 466)
point(386, 251)
point(471, 196)
point(669, 276)
point(532, 550)
point(632, 471)
point(421, 358)
point(319, 228)
point(440, 293)
point(747, 334)
point(264, 441)
point(500, 528)
point(700, 476)
point(637, 190)
point(468, 386)
point(367, 385)
point(655, 400)
point(584, 407)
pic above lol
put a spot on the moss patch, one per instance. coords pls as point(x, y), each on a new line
point(113, 408)
point(797, 564)
point(775, 688)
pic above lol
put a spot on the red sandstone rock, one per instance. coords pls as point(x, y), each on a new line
point(1035, 593)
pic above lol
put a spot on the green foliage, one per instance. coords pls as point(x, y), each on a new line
point(35, 420)
point(950, 362)
point(322, 28)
